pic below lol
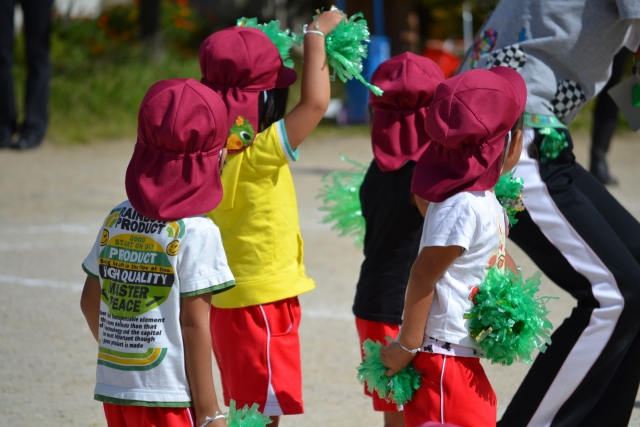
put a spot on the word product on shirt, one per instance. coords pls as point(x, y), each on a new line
point(145, 267)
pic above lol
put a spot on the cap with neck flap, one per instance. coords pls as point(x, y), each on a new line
point(240, 63)
point(468, 120)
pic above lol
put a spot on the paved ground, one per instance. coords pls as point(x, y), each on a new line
point(53, 201)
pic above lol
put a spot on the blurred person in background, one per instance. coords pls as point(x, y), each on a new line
point(605, 122)
point(575, 231)
point(37, 27)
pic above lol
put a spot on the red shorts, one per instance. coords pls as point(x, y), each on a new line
point(376, 331)
point(141, 416)
point(257, 349)
point(454, 390)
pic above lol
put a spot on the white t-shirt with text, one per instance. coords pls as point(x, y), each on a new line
point(145, 267)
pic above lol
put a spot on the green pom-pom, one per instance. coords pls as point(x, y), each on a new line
point(346, 47)
point(398, 389)
point(246, 417)
point(552, 144)
point(282, 39)
point(508, 321)
point(508, 191)
point(341, 200)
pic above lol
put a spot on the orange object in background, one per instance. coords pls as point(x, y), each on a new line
point(442, 53)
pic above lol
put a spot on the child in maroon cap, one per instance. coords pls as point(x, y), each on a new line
point(156, 263)
point(398, 139)
point(254, 327)
point(475, 122)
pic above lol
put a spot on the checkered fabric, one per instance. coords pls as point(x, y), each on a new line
point(510, 56)
point(568, 98)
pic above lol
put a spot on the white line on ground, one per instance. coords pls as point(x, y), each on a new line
point(50, 229)
point(36, 246)
point(55, 284)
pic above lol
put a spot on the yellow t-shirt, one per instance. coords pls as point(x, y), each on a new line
point(258, 220)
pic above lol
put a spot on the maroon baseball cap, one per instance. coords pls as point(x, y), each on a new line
point(469, 117)
point(398, 131)
point(174, 172)
point(239, 63)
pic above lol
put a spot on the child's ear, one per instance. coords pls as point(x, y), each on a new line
point(516, 145)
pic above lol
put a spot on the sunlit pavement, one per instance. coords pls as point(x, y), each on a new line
point(53, 202)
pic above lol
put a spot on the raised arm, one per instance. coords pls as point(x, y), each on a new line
point(315, 90)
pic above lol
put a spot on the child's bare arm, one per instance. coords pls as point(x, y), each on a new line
point(194, 322)
point(421, 204)
point(315, 90)
point(431, 264)
point(90, 304)
point(511, 264)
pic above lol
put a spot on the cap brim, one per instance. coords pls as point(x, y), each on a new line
point(286, 77)
point(516, 80)
point(441, 173)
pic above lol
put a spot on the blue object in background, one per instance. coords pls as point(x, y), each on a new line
point(357, 93)
point(379, 51)
point(378, 16)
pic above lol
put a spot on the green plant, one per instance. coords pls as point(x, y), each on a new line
point(183, 28)
point(101, 71)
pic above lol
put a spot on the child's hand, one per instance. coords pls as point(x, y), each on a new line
point(327, 21)
point(394, 358)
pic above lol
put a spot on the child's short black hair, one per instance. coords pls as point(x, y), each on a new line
point(273, 109)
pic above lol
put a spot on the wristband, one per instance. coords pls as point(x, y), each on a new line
point(414, 351)
point(208, 420)
point(306, 31)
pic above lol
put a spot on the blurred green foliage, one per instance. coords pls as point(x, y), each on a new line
point(101, 70)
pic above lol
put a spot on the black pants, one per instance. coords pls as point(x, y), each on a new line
point(589, 245)
point(605, 113)
point(37, 26)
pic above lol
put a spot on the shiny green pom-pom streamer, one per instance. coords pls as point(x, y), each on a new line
point(399, 388)
point(246, 417)
point(508, 320)
point(346, 47)
point(282, 39)
point(508, 191)
point(552, 144)
point(341, 200)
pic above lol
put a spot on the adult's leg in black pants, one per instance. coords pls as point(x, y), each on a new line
point(37, 28)
point(7, 100)
point(618, 399)
point(572, 241)
point(605, 122)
